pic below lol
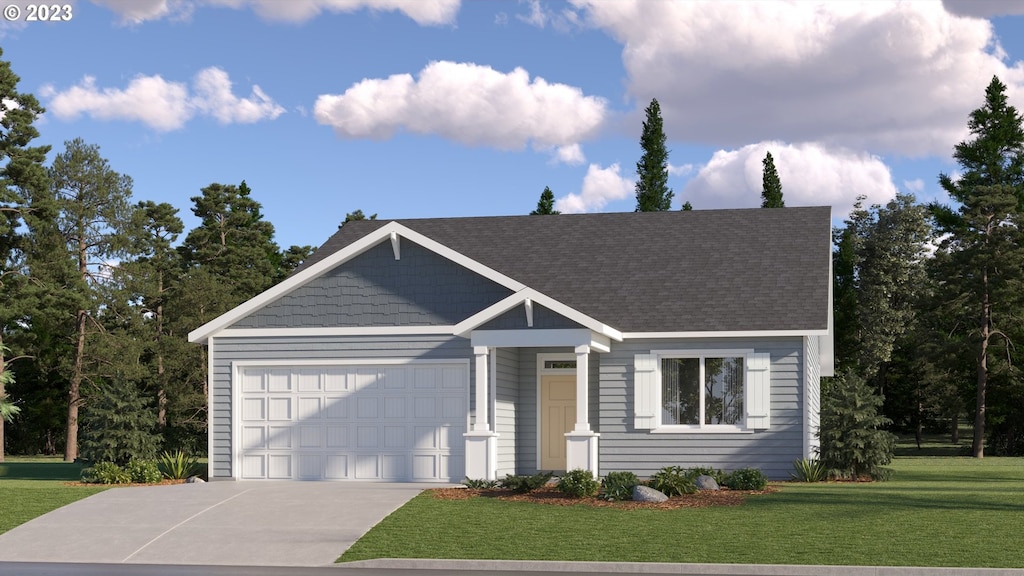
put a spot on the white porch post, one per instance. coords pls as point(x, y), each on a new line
point(481, 441)
point(581, 443)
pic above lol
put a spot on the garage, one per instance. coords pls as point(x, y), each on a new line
point(400, 421)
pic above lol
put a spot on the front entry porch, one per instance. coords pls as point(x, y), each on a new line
point(531, 401)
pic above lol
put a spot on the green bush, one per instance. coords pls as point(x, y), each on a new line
point(578, 483)
point(746, 479)
point(177, 465)
point(672, 481)
point(143, 471)
point(522, 483)
point(808, 471)
point(852, 442)
point(118, 424)
point(715, 473)
point(105, 473)
point(481, 484)
point(619, 485)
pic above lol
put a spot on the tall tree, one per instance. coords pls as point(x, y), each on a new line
point(984, 233)
point(356, 215)
point(771, 186)
point(93, 203)
point(652, 191)
point(21, 175)
point(546, 204)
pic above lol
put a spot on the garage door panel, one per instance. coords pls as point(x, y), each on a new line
point(390, 422)
point(279, 408)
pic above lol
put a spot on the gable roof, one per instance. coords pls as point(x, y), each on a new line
point(739, 270)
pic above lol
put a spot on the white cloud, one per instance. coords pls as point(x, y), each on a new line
point(213, 97)
point(537, 17)
point(860, 75)
point(571, 154)
point(682, 170)
point(423, 12)
point(811, 175)
point(600, 186)
point(915, 185)
point(160, 104)
point(468, 103)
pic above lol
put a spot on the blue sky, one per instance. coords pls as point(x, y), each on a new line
point(446, 108)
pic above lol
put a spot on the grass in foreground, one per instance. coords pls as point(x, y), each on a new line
point(31, 487)
point(935, 512)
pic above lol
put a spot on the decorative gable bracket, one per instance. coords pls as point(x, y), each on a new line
point(395, 245)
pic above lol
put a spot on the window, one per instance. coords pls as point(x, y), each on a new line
point(559, 364)
point(703, 391)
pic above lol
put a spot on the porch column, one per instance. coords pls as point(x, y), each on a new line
point(581, 443)
point(481, 442)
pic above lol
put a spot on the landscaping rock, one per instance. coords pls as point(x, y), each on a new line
point(647, 494)
point(705, 482)
point(195, 480)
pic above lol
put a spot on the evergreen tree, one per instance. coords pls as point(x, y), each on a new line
point(984, 235)
point(546, 204)
point(652, 191)
point(687, 206)
point(357, 215)
point(119, 425)
point(771, 186)
point(93, 204)
point(21, 176)
point(853, 443)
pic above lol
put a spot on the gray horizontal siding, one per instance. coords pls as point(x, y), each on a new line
point(506, 408)
point(374, 289)
point(228, 350)
point(622, 447)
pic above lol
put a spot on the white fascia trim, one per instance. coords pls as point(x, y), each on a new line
point(347, 253)
point(467, 326)
point(349, 362)
point(533, 338)
point(335, 331)
point(827, 342)
point(723, 334)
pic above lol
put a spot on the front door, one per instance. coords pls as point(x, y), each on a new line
point(558, 416)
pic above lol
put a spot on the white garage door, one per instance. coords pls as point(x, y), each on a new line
point(400, 422)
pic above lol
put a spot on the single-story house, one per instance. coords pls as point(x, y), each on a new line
point(444, 348)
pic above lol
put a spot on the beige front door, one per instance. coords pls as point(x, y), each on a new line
point(558, 416)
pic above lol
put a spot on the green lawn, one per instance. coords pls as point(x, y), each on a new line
point(934, 512)
point(31, 487)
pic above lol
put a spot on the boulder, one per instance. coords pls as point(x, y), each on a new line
point(643, 493)
point(194, 480)
point(705, 482)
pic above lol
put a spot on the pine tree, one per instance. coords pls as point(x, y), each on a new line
point(771, 186)
point(21, 176)
point(853, 443)
point(546, 204)
point(985, 233)
point(652, 191)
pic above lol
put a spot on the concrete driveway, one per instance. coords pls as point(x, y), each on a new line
point(216, 523)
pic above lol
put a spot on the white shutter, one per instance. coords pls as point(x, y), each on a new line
point(759, 391)
point(644, 389)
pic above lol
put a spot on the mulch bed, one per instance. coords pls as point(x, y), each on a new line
point(551, 495)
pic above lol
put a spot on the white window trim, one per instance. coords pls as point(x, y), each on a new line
point(660, 428)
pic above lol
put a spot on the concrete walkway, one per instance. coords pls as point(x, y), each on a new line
point(217, 523)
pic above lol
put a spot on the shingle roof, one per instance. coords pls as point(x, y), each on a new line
point(700, 270)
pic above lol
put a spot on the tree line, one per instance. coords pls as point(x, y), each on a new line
point(98, 293)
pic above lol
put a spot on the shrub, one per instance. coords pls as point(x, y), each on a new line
point(808, 471)
point(480, 484)
point(578, 483)
point(746, 479)
point(852, 444)
point(522, 483)
point(672, 481)
point(715, 473)
point(105, 473)
point(177, 465)
point(143, 471)
point(118, 424)
point(619, 485)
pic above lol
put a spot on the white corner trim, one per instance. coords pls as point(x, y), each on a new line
point(396, 247)
point(347, 253)
point(211, 456)
point(335, 331)
point(497, 309)
point(723, 334)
